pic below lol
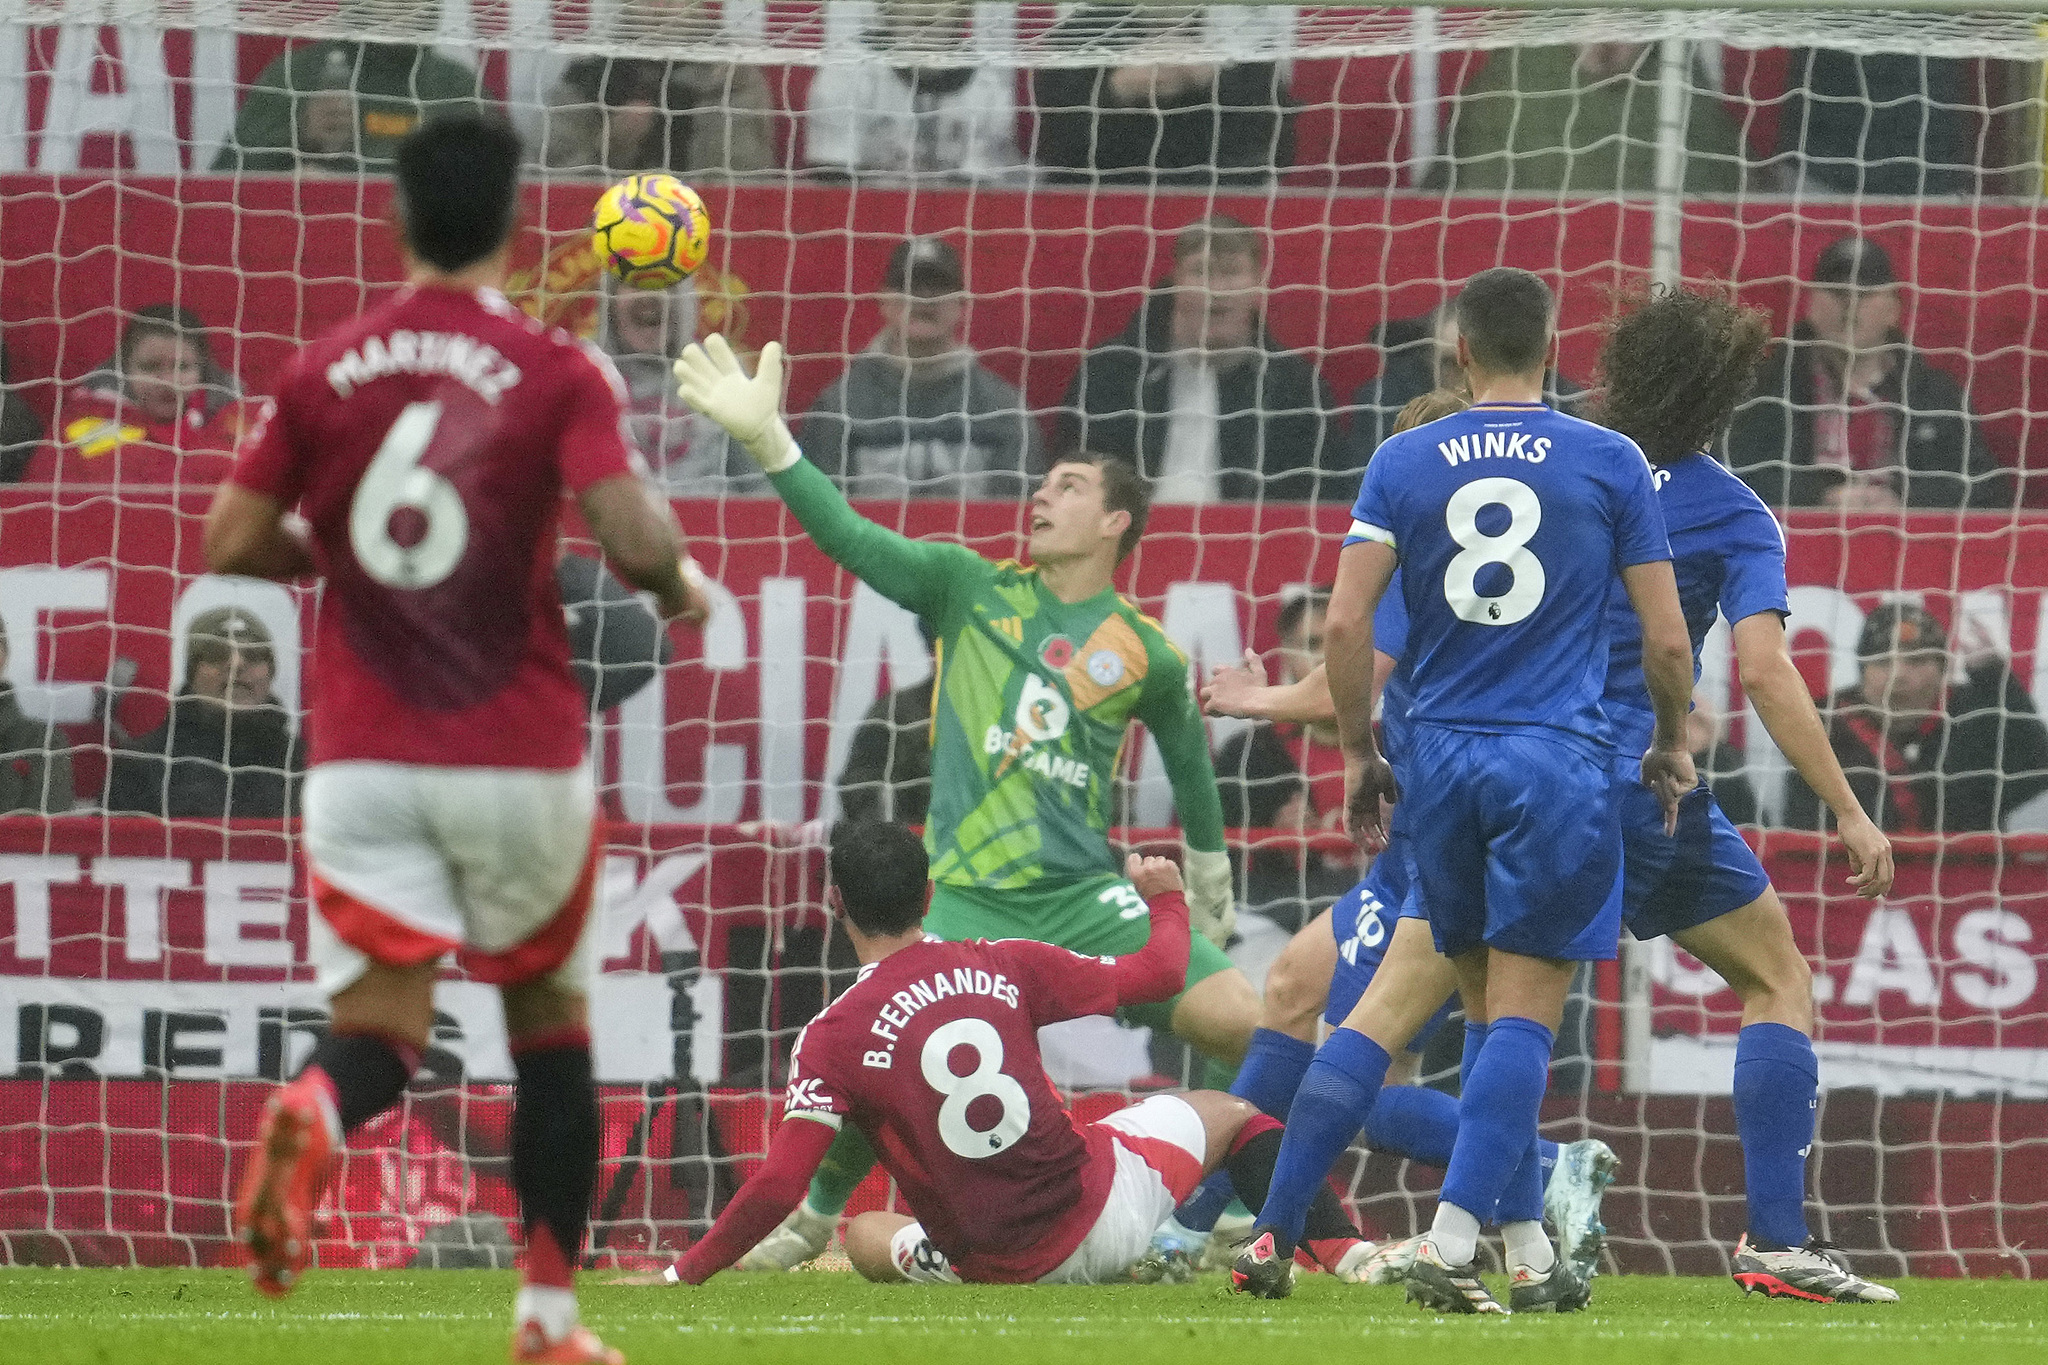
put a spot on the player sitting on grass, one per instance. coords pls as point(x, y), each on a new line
point(1042, 670)
point(1324, 971)
point(932, 1054)
point(1677, 363)
point(450, 807)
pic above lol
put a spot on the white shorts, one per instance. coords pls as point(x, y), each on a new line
point(1158, 1144)
point(408, 863)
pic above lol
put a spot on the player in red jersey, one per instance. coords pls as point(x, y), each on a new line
point(933, 1054)
point(449, 807)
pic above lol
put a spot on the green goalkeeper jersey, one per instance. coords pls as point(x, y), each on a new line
point(1033, 706)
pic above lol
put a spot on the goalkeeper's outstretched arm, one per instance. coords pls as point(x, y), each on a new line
point(1169, 711)
point(913, 574)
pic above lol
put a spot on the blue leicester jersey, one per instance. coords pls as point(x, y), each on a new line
point(1390, 637)
point(1728, 554)
point(1511, 521)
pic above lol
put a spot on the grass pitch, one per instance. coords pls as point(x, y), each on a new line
point(56, 1317)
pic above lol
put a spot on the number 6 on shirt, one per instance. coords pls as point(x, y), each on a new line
point(396, 481)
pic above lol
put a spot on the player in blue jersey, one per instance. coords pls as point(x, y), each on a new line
point(1509, 523)
point(1676, 364)
point(1321, 975)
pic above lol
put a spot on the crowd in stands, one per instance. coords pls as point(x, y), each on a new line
point(1197, 390)
point(912, 94)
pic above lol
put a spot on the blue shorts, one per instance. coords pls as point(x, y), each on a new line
point(1516, 844)
point(1671, 883)
point(1362, 921)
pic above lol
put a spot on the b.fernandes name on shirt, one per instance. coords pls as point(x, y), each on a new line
point(1494, 445)
point(904, 1004)
point(463, 358)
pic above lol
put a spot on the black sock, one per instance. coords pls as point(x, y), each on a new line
point(1250, 1164)
point(367, 1071)
point(554, 1154)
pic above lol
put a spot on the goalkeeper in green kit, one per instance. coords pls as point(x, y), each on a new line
point(1041, 670)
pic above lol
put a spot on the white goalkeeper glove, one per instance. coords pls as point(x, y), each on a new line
point(1212, 896)
point(710, 379)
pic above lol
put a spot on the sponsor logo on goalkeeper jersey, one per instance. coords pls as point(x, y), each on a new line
point(1043, 714)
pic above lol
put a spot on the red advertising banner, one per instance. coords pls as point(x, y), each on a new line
point(1940, 987)
point(754, 720)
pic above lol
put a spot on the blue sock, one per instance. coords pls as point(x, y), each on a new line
point(1776, 1081)
point(1497, 1116)
point(1475, 1039)
point(1415, 1122)
point(1200, 1210)
point(1522, 1201)
point(1273, 1067)
point(1329, 1109)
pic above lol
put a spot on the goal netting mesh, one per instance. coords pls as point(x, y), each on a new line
point(226, 157)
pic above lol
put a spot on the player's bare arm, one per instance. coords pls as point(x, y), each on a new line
point(1667, 671)
point(248, 533)
point(1363, 572)
point(1241, 690)
point(640, 541)
point(1773, 685)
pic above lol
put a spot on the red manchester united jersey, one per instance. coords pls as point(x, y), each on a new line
point(428, 444)
point(933, 1054)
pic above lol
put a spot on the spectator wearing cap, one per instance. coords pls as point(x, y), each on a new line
point(35, 760)
point(1196, 391)
point(917, 414)
point(1848, 415)
point(227, 749)
point(1923, 756)
point(897, 109)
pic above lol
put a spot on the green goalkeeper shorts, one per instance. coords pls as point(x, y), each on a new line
point(1102, 917)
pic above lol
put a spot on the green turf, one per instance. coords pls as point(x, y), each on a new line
point(53, 1317)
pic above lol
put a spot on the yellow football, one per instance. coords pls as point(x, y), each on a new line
point(651, 231)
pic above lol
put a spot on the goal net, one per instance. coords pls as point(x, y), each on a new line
point(227, 157)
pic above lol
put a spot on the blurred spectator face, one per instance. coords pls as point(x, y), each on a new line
point(1216, 301)
point(1301, 648)
point(1906, 684)
point(1604, 61)
point(160, 373)
point(241, 679)
point(327, 122)
point(640, 320)
point(921, 326)
point(1854, 319)
point(1066, 513)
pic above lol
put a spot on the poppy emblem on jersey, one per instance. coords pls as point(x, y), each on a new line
point(1106, 667)
point(1056, 652)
